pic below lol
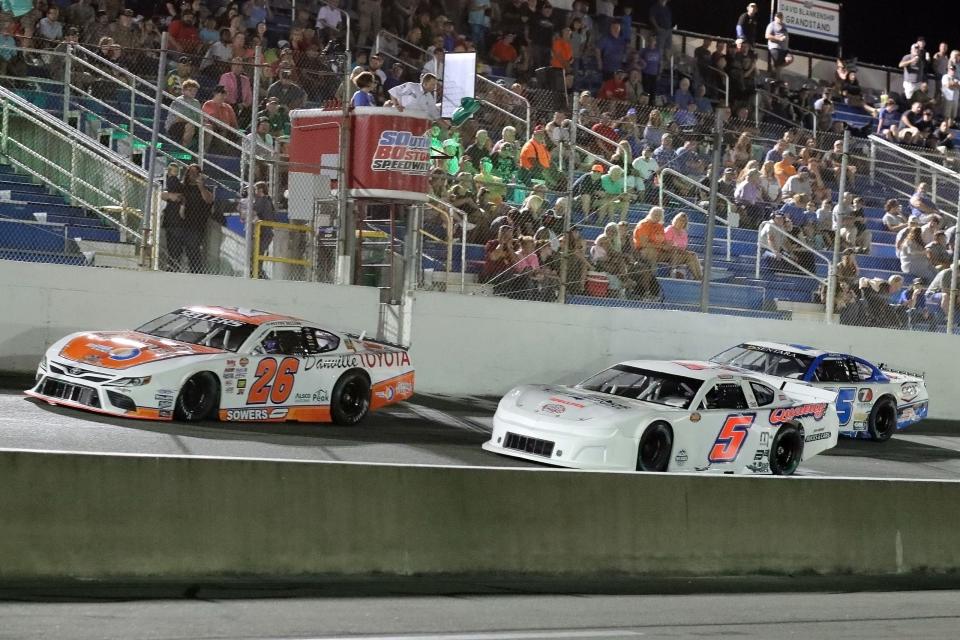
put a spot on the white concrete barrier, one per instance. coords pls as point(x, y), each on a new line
point(41, 303)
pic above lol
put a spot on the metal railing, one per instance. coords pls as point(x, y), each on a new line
point(451, 212)
point(259, 259)
point(789, 237)
point(66, 160)
point(909, 168)
point(731, 209)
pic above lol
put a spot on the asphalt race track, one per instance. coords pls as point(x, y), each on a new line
point(429, 430)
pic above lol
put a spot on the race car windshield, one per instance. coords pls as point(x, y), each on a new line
point(782, 364)
point(201, 329)
point(642, 384)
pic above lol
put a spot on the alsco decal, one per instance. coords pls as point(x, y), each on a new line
point(779, 416)
point(402, 151)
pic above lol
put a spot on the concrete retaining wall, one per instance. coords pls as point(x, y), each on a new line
point(474, 344)
point(41, 303)
point(111, 517)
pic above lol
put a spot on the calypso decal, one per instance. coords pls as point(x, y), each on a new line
point(779, 416)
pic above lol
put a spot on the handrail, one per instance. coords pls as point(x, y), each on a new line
point(763, 92)
point(726, 84)
point(76, 140)
point(800, 242)
point(432, 199)
point(614, 144)
point(515, 95)
point(698, 185)
point(697, 207)
point(934, 168)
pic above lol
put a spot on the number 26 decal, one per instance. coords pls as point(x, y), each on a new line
point(730, 440)
point(272, 381)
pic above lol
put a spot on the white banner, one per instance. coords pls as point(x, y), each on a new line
point(459, 80)
point(819, 20)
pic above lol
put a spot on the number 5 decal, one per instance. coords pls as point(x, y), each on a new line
point(845, 404)
point(269, 383)
point(731, 438)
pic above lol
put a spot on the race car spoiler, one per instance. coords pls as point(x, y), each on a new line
point(906, 372)
point(363, 338)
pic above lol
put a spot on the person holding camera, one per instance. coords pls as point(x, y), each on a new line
point(197, 209)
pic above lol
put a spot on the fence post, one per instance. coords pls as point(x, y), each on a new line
point(5, 128)
point(567, 214)
point(712, 215)
point(249, 240)
point(873, 161)
point(346, 242)
point(841, 194)
point(411, 276)
point(67, 78)
point(951, 310)
point(145, 213)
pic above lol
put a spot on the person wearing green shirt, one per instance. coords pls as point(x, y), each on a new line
point(613, 200)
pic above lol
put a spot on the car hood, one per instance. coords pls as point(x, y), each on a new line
point(574, 405)
point(126, 349)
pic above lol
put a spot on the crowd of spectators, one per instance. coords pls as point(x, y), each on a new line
point(636, 124)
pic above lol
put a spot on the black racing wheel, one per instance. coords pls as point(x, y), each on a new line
point(350, 400)
point(883, 419)
point(786, 450)
point(199, 397)
point(656, 444)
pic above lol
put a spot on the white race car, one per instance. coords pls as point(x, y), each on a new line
point(872, 402)
point(667, 416)
point(234, 364)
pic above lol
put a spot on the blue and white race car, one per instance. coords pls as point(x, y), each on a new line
point(872, 402)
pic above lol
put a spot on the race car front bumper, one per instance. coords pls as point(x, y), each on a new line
point(82, 393)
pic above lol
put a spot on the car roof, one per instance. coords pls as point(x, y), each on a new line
point(791, 348)
point(696, 369)
point(249, 316)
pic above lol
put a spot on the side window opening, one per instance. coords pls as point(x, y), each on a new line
point(763, 394)
point(725, 395)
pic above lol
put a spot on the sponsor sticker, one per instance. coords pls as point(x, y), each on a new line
point(102, 348)
point(865, 395)
point(569, 403)
point(256, 414)
point(813, 437)
point(386, 394)
point(764, 439)
point(779, 416)
point(320, 395)
point(212, 319)
point(402, 151)
point(244, 362)
point(241, 384)
point(681, 457)
point(909, 391)
point(124, 353)
point(404, 388)
point(553, 409)
point(303, 397)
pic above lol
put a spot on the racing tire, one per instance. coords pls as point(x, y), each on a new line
point(350, 400)
point(883, 419)
point(655, 448)
point(786, 450)
point(199, 398)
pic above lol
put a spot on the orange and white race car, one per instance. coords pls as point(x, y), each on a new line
point(234, 364)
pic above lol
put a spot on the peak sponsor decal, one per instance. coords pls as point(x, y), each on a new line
point(554, 409)
point(779, 416)
point(402, 151)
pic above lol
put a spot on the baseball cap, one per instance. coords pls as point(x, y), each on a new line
point(219, 89)
point(283, 44)
point(185, 59)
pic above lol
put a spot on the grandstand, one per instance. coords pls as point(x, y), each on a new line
point(109, 93)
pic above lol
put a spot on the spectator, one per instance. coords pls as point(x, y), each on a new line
point(727, 184)
point(363, 96)
point(503, 52)
point(676, 236)
point(586, 187)
point(650, 242)
point(329, 18)
point(50, 29)
point(124, 32)
point(942, 138)
point(921, 205)
point(239, 91)
point(785, 169)
point(653, 132)
point(913, 255)
point(682, 96)
point(950, 90)
point(418, 96)
point(747, 25)
point(939, 290)
point(778, 43)
point(183, 36)
point(797, 184)
point(888, 121)
point(916, 126)
point(176, 78)
point(480, 148)
point(81, 15)
point(435, 64)
point(938, 251)
point(220, 52)
point(646, 166)
point(261, 142)
point(661, 19)
point(930, 229)
point(184, 116)
point(500, 255)
point(613, 198)
point(614, 88)
point(197, 212)
point(264, 210)
point(665, 153)
point(633, 87)
point(772, 238)
point(651, 58)
point(172, 218)
point(847, 270)
point(893, 217)
point(220, 120)
point(612, 50)
point(749, 194)
point(561, 50)
point(775, 154)
point(535, 159)
point(913, 301)
point(740, 153)
point(912, 65)
point(395, 78)
point(604, 128)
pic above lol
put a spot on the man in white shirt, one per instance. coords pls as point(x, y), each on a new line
point(434, 65)
point(329, 17)
point(950, 85)
point(417, 96)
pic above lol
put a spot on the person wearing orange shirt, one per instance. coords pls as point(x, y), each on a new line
point(649, 240)
point(220, 119)
point(562, 50)
point(785, 169)
point(535, 157)
point(504, 53)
